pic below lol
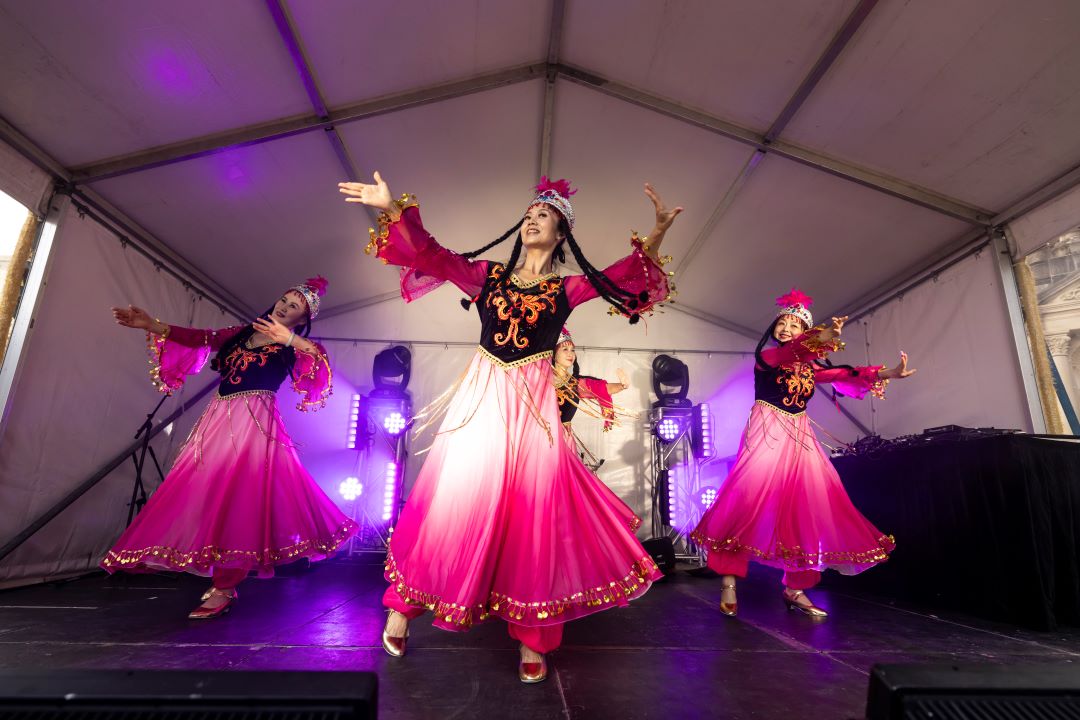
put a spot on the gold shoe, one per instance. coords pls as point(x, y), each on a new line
point(729, 609)
point(533, 672)
point(394, 646)
point(812, 610)
point(205, 613)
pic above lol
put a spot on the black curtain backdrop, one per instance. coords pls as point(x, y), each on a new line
point(988, 526)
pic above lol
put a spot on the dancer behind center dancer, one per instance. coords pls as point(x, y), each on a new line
point(575, 391)
point(783, 503)
point(504, 519)
point(237, 498)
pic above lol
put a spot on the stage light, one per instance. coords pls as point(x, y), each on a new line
point(670, 381)
point(350, 488)
point(390, 490)
point(668, 429)
point(701, 438)
point(354, 421)
point(391, 370)
point(394, 423)
point(707, 496)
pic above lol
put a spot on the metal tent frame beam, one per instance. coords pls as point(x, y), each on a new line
point(840, 41)
point(297, 124)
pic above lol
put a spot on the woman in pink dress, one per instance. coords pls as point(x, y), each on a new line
point(783, 504)
point(237, 498)
point(575, 391)
point(504, 519)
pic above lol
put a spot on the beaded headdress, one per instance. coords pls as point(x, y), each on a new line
point(556, 193)
point(564, 337)
point(796, 303)
point(312, 291)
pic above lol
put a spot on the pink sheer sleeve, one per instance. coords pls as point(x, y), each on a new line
point(806, 348)
point(863, 380)
point(312, 379)
point(181, 352)
point(590, 388)
point(425, 264)
point(636, 273)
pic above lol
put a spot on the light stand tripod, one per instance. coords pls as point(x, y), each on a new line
point(138, 456)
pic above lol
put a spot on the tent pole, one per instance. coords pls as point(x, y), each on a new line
point(1018, 295)
point(33, 290)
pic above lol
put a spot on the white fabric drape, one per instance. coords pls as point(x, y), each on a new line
point(83, 392)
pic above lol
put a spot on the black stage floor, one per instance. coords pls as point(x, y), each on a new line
point(670, 655)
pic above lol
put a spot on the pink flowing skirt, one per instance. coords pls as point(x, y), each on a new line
point(505, 520)
point(236, 497)
point(783, 503)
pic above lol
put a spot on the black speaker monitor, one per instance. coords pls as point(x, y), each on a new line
point(177, 695)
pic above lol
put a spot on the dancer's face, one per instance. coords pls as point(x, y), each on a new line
point(291, 310)
point(540, 229)
point(565, 356)
point(788, 327)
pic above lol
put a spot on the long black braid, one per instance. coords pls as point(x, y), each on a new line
point(768, 335)
point(217, 364)
point(466, 302)
point(625, 302)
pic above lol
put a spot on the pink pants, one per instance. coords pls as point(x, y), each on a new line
point(538, 639)
point(735, 563)
point(228, 578)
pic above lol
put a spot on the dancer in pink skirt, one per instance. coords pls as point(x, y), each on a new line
point(783, 503)
point(237, 498)
point(575, 391)
point(504, 519)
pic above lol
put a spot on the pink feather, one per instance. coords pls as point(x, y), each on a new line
point(318, 284)
point(562, 187)
point(795, 297)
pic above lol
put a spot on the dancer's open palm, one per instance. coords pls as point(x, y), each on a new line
point(900, 371)
point(133, 317)
point(664, 215)
point(377, 196)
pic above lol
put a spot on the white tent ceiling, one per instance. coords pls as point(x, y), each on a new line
point(892, 129)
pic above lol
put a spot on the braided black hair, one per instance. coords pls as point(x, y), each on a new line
point(625, 302)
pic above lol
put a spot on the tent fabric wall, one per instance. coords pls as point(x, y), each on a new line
point(956, 330)
point(1046, 222)
point(83, 393)
point(23, 180)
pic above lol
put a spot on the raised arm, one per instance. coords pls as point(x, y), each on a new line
point(402, 240)
point(640, 273)
point(175, 351)
point(816, 343)
point(864, 379)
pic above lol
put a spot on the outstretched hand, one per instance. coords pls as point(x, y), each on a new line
point(899, 372)
point(133, 317)
point(624, 379)
point(377, 196)
point(271, 328)
point(664, 216)
point(835, 328)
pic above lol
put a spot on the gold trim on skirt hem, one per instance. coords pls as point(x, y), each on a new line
point(796, 558)
point(205, 558)
point(532, 613)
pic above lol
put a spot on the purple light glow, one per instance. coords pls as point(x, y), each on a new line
point(350, 488)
